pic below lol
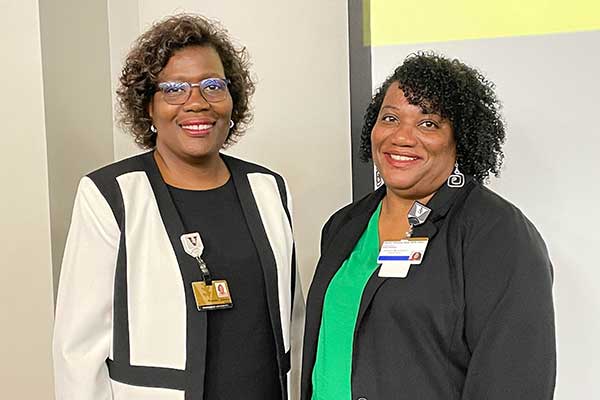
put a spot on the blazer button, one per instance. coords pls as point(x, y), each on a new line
point(362, 398)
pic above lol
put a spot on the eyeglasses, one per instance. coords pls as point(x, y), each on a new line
point(177, 93)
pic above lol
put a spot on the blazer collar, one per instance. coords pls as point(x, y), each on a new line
point(440, 202)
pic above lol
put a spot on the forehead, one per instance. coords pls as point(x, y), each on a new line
point(193, 63)
point(396, 98)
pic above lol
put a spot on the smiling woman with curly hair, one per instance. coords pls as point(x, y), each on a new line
point(179, 271)
point(151, 53)
point(456, 92)
point(471, 317)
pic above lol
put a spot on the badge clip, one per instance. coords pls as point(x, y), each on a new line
point(417, 215)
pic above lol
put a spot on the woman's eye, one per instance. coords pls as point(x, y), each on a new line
point(212, 87)
point(172, 88)
point(389, 118)
point(429, 124)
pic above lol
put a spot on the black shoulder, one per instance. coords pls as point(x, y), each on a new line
point(239, 166)
point(484, 205)
point(489, 215)
point(246, 166)
point(110, 172)
point(105, 179)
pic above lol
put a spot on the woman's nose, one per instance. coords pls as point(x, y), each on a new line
point(404, 135)
point(196, 101)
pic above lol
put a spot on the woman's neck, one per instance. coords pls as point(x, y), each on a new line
point(198, 175)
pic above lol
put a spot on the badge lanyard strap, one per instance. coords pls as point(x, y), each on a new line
point(206, 275)
point(412, 222)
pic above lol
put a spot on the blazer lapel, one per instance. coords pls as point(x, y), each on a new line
point(440, 204)
point(190, 272)
point(263, 247)
point(346, 235)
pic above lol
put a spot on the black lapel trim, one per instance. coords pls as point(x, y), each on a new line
point(265, 254)
point(196, 321)
point(283, 195)
point(444, 199)
point(453, 237)
point(110, 189)
point(155, 377)
point(121, 346)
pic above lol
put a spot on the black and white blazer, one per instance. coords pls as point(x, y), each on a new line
point(127, 327)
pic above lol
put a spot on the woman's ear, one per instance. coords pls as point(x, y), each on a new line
point(150, 104)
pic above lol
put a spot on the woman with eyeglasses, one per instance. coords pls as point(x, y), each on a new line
point(178, 279)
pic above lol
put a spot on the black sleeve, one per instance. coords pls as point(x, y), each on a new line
point(325, 235)
point(509, 314)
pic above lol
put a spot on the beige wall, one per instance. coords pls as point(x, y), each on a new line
point(26, 284)
point(301, 128)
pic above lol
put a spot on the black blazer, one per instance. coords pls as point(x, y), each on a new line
point(474, 321)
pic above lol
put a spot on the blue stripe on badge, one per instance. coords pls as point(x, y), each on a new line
point(392, 258)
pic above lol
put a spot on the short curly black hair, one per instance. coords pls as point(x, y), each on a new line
point(456, 92)
point(151, 53)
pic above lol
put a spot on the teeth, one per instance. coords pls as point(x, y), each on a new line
point(402, 158)
point(197, 127)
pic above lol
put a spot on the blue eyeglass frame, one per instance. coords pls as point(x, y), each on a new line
point(200, 85)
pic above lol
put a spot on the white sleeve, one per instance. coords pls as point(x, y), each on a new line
point(83, 323)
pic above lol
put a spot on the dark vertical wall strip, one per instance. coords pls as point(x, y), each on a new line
point(77, 101)
point(360, 91)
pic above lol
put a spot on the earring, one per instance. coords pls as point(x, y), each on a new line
point(231, 123)
point(456, 179)
point(153, 128)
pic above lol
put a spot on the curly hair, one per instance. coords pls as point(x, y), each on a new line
point(456, 92)
point(151, 53)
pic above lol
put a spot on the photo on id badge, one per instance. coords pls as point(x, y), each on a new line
point(221, 290)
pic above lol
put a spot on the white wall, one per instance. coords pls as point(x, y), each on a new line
point(301, 127)
point(549, 86)
point(26, 302)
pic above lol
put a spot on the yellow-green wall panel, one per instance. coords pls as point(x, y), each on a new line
point(401, 22)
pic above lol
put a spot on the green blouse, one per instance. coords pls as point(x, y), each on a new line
point(333, 365)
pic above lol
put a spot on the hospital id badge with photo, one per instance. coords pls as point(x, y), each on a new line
point(215, 296)
point(396, 257)
point(411, 250)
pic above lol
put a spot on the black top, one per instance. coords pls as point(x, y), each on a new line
point(241, 356)
point(473, 321)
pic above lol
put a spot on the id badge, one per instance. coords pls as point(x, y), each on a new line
point(394, 269)
point(396, 257)
point(410, 249)
point(212, 297)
